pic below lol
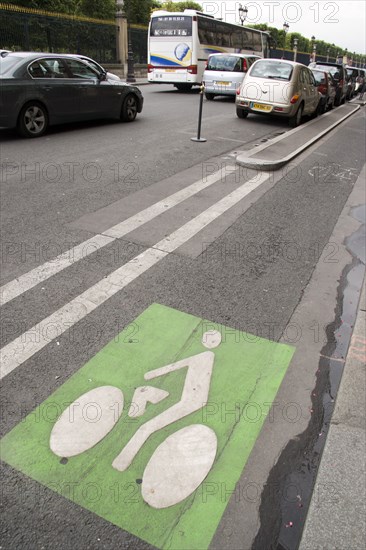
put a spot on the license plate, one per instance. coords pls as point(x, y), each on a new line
point(170, 70)
point(260, 107)
point(223, 83)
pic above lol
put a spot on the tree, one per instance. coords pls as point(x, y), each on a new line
point(105, 9)
point(70, 7)
point(180, 6)
point(138, 11)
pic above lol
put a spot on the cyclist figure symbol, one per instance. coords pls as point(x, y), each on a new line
point(70, 438)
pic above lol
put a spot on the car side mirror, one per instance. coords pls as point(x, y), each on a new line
point(102, 76)
point(336, 76)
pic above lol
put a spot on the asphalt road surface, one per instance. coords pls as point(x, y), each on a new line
point(127, 252)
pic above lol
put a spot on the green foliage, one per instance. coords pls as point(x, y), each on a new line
point(70, 7)
point(180, 6)
point(138, 11)
point(100, 9)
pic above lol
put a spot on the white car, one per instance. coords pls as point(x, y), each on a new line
point(225, 72)
point(278, 87)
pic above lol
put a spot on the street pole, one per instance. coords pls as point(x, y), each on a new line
point(295, 48)
point(130, 62)
point(286, 27)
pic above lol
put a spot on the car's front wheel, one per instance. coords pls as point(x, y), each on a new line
point(295, 120)
point(129, 108)
point(33, 120)
point(241, 113)
point(209, 97)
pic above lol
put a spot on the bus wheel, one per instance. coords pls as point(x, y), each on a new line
point(241, 113)
point(210, 97)
point(183, 87)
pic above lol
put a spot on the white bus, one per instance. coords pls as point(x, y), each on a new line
point(180, 42)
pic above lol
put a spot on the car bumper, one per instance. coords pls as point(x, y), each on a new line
point(266, 108)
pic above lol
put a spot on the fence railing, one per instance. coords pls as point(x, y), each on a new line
point(23, 29)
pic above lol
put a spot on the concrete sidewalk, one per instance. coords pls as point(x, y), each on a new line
point(337, 513)
point(281, 150)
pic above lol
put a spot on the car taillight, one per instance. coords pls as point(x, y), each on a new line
point(192, 69)
point(294, 98)
point(238, 90)
point(150, 68)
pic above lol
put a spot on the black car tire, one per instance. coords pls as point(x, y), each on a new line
point(183, 87)
point(209, 97)
point(337, 100)
point(32, 120)
point(322, 107)
point(129, 108)
point(241, 113)
point(295, 121)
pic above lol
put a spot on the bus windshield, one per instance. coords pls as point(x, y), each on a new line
point(171, 26)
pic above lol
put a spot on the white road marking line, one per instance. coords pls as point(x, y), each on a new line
point(36, 338)
point(28, 280)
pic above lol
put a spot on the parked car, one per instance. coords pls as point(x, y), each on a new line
point(327, 87)
point(225, 72)
point(278, 87)
point(38, 90)
point(360, 82)
point(339, 74)
point(96, 66)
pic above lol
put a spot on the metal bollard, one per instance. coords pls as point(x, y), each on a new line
point(198, 138)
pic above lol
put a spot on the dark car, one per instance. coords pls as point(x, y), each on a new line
point(338, 72)
point(327, 87)
point(38, 90)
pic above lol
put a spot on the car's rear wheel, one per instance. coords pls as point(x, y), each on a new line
point(210, 97)
point(129, 108)
point(295, 120)
point(241, 113)
point(183, 87)
point(33, 120)
point(337, 100)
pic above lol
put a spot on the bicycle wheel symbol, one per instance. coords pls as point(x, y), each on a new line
point(181, 463)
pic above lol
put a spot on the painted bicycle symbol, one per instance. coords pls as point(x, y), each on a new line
point(187, 454)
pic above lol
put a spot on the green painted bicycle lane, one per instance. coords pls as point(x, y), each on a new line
point(247, 372)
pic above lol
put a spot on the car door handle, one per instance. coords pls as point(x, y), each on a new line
point(46, 88)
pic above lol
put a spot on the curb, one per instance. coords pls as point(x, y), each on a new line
point(269, 165)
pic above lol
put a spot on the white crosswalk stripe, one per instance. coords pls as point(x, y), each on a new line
point(25, 282)
point(22, 348)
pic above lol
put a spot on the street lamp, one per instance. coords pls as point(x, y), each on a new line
point(296, 41)
point(328, 52)
point(286, 27)
point(313, 55)
point(243, 12)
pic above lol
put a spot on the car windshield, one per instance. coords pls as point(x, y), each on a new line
point(224, 63)
point(319, 77)
point(329, 69)
point(272, 69)
point(8, 62)
point(352, 72)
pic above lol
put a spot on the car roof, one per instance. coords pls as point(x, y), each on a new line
point(278, 60)
point(326, 63)
point(235, 54)
point(35, 55)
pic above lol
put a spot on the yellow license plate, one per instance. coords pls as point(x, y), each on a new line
point(170, 70)
point(261, 107)
point(223, 83)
